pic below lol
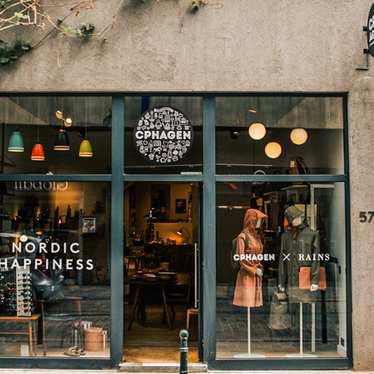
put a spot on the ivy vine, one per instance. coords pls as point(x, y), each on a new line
point(197, 4)
point(30, 14)
point(10, 53)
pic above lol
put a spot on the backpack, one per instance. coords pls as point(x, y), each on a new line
point(236, 264)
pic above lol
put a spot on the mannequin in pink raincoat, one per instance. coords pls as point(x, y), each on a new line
point(248, 288)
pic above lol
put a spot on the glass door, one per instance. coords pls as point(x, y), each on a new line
point(161, 270)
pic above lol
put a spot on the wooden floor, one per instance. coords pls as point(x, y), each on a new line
point(155, 342)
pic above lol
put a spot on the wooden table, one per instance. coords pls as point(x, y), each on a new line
point(139, 304)
point(30, 330)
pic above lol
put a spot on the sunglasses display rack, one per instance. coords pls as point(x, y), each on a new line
point(2, 294)
point(8, 294)
point(24, 292)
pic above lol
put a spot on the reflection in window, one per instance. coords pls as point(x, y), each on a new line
point(55, 134)
point(281, 289)
point(54, 269)
point(279, 135)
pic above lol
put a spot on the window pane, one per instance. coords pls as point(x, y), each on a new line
point(58, 135)
point(285, 278)
point(54, 269)
point(164, 119)
point(279, 135)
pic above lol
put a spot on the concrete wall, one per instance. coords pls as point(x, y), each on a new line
point(231, 45)
point(361, 138)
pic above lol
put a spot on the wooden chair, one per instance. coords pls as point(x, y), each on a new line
point(180, 292)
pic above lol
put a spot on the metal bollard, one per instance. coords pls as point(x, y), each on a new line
point(183, 366)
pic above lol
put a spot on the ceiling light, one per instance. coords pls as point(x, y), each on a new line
point(16, 142)
point(68, 122)
point(62, 141)
point(273, 150)
point(85, 149)
point(234, 134)
point(299, 136)
point(257, 131)
point(59, 115)
point(37, 153)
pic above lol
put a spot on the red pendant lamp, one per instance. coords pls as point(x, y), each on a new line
point(37, 153)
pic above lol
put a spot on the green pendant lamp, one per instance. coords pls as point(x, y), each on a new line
point(16, 142)
point(62, 141)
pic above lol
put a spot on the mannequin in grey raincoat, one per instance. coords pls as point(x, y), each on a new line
point(300, 247)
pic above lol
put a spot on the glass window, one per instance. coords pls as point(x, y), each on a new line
point(58, 135)
point(281, 270)
point(54, 269)
point(163, 135)
point(279, 135)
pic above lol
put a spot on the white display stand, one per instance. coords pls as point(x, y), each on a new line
point(301, 335)
point(249, 353)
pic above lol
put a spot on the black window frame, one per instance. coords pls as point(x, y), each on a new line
point(208, 178)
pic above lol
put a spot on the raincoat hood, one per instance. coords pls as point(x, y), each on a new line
point(250, 218)
point(292, 212)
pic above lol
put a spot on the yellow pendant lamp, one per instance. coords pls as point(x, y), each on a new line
point(85, 149)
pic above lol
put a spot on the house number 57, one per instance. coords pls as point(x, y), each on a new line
point(366, 217)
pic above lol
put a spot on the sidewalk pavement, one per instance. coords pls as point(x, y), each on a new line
point(113, 371)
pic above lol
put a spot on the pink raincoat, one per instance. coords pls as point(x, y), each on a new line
point(248, 288)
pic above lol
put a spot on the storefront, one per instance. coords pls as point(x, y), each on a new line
point(119, 215)
point(134, 155)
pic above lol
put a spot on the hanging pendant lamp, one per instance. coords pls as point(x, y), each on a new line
point(62, 141)
point(257, 131)
point(16, 142)
point(299, 136)
point(273, 150)
point(85, 149)
point(37, 153)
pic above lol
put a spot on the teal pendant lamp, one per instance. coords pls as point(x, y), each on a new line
point(16, 142)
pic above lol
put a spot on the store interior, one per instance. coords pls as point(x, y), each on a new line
point(288, 327)
point(54, 269)
point(161, 270)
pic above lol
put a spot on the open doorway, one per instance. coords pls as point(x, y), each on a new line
point(162, 230)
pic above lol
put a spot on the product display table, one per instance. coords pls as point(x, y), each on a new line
point(30, 330)
point(139, 304)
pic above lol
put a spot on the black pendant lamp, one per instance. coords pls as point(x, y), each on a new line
point(62, 141)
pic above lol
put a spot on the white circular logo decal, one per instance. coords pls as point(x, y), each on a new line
point(163, 135)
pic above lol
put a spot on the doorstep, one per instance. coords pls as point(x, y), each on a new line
point(160, 367)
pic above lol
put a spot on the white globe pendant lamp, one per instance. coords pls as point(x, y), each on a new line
point(257, 130)
point(273, 150)
point(299, 136)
